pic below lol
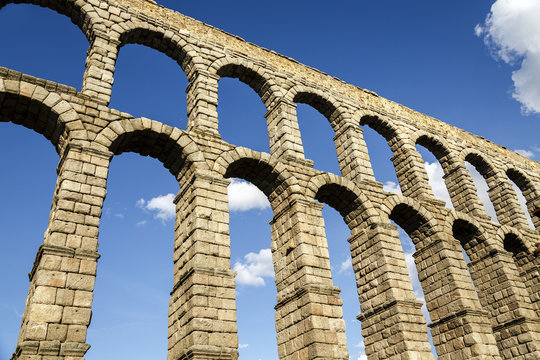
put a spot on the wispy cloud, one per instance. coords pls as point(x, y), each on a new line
point(392, 187)
point(243, 346)
point(345, 266)
point(244, 196)
point(512, 32)
point(254, 268)
point(162, 206)
point(526, 153)
point(141, 223)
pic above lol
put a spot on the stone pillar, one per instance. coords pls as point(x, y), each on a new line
point(411, 172)
point(392, 322)
point(202, 102)
point(309, 317)
point(352, 154)
point(506, 203)
point(202, 311)
point(528, 267)
point(460, 327)
point(283, 130)
point(463, 192)
point(58, 307)
point(100, 64)
point(501, 292)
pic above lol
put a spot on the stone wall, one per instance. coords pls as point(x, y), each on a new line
point(494, 315)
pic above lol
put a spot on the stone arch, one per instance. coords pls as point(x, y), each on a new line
point(250, 74)
point(523, 258)
point(85, 17)
point(471, 234)
point(171, 44)
point(437, 146)
point(171, 146)
point(261, 169)
point(442, 152)
point(411, 216)
point(326, 104)
point(479, 160)
point(344, 196)
point(40, 110)
point(501, 194)
point(381, 125)
point(410, 171)
point(511, 239)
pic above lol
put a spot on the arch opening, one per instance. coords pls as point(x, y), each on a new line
point(317, 134)
point(251, 257)
point(241, 111)
point(254, 185)
point(479, 170)
point(524, 192)
point(377, 137)
point(135, 270)
point(64, 45)
point(28, 182)
point(414, 232)
point(432, 153)
point(150, 84)
point(340, 218)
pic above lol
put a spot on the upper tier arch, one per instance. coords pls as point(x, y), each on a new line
point(81, 14)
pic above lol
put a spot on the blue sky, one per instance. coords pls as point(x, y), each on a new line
point(440, 58)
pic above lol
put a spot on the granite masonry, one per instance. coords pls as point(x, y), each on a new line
point(487, 309)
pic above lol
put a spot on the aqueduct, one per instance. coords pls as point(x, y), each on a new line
point(493, 313)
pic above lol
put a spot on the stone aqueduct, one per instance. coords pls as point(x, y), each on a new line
point(494, 315)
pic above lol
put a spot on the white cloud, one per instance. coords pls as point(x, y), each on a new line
point(141, 223)
point(345, 266)
point(482, 190)
point(162, 206)
point(526, 153)
point(119, 215)
point(254, 268)
point(512, 31)
point(435, 175)
point(360, 344)
point(362, 357)
point(244, 196)
point(391, 187)
point(243, 346)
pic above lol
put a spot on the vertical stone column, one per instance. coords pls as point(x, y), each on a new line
point(202, 311)
point(100, 64)
point(506, 203)
point(58, 307)
point(202, 102)
point(309, 317)
point(528, 267)
point(392, 322)
point(283, 130)
point(462, 191)
point(460, 327)
point(352, 154)
point(501, 292)
point(410, 171)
